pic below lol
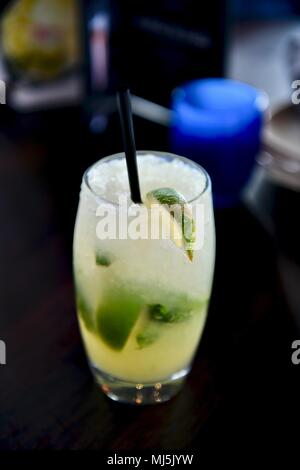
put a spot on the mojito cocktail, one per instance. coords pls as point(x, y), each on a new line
point(142, 297)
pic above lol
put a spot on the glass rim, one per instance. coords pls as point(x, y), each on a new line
point(155, 153)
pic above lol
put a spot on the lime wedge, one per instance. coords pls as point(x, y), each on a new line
point(84, 310)
point(182, 225)
point(116, 316)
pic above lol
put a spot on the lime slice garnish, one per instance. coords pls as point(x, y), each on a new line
point(181, 222)
point(116, 316)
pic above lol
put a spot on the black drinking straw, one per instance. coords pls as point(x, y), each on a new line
point(129, 144)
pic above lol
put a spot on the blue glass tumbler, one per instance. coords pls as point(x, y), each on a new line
point(218, 123)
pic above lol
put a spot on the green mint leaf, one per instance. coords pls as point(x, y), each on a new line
point(170, 315)
point(147, 336)
point(102, 259)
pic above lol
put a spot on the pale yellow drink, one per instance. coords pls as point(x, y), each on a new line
point(142, 303)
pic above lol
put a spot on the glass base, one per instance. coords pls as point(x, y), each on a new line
point(139, 393)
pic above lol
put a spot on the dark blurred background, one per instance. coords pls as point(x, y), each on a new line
point(61, 63)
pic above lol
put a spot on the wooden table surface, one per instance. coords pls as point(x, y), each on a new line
point(242, 385)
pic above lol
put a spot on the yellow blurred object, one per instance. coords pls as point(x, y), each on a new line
point(40, 38)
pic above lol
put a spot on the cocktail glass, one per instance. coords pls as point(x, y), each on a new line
point(142, 299)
